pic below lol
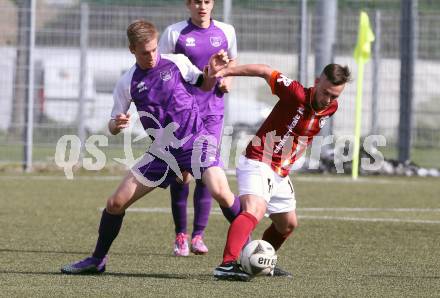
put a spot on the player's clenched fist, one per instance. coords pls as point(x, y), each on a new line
point(217, 62)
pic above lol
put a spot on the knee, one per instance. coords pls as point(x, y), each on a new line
point(186, 178)
point(260, 211)
point(114, 206)
point(223, 197)
point(254, 205)
point(288, 228)
point(291, 226)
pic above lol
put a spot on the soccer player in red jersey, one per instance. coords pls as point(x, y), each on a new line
point(262, 173)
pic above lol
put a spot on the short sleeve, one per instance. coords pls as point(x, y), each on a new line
point(189, 71)
point(121, 96)
point(229, 32)
point(286, 89)
point(232, 49)
point(166, 44)
point(170, 36)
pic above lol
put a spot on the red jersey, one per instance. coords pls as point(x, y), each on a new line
point(290, 127)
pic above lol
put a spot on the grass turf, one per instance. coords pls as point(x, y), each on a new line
point(48, 221)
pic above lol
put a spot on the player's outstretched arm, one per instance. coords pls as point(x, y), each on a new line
point(226, 83)
point(216, 63)
point(121, 121)
point(247, 70)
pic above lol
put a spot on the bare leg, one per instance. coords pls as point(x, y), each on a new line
point(215, 180)
point(282, 226)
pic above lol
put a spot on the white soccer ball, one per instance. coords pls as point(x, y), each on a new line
point(258, 258)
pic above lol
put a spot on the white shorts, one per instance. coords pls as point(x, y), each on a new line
point(257, 178)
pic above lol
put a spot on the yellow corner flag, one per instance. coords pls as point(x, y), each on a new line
point(362, 53)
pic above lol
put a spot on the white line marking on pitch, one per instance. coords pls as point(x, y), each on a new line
point(345, 179)
point(339, 218)
point(372, 209)
point(422, 221)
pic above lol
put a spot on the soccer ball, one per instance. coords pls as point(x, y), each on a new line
point(258, 258)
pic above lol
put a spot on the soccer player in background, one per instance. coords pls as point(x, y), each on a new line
point(199, 38)
point(157, 84)
point(262, 172)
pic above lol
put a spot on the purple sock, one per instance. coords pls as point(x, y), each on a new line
point(232, 212)
point(202, 208)
point(179, 196)
point(108, 230)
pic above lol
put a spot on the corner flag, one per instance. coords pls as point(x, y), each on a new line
point(361, 54)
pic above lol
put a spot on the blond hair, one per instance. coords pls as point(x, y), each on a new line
point(141, 31)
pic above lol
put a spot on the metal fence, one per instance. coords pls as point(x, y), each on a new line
point(267, 32)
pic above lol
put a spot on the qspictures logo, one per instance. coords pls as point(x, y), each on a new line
point(201, 151)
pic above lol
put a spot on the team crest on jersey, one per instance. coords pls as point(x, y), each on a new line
point(322, 121)
point(165, 75)
point(190, 42)
point(216, 41)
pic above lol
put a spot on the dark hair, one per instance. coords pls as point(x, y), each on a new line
point(337, 74)
point(141, 31)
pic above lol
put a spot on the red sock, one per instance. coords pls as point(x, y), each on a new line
point(274, 237)
point(238, 233)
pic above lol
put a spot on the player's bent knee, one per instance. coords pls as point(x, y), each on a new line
point(287, 228)
point(187, 177)
point(254, 205)
point(114, 206)
point(293, 223)
point(291, 227)
point(223, 197)
point(286, 231)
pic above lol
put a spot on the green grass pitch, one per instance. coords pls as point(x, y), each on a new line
point(378, 237)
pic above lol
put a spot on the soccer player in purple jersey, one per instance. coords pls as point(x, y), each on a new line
point(158, 86)
point(199, 38)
